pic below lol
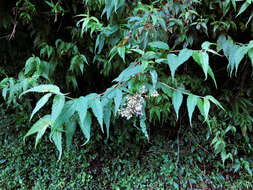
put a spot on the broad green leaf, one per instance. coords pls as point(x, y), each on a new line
point(175, 61)
point(216, 102)
point(122, 51)
point(159, 45)
point(86, 127)
point(202, 59)
point(39, 127)
point(201, 107)
point(206, 107)
point(210, 72)
point(44, 88)
point(97, 108)
point(192, 101)
point(117, 100)
point(143, 127)
point(154, 77)
point(58, 104)
point(70, 131)
point(40, 104)
point(177, 99)
point(57, 138)
point(128, 72)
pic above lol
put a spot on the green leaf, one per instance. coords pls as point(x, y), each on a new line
point(97, 108)
point(154, 77)
point(117, 100)
point(44, 88)
point(216, 102)
point(143, 126)
point(81, 106)
point(159, 45)
point(250, 53)
point(128, 72)
point(57, 138)
point(206, 108)
point(177, 99)
point(107, 117)
point(58, 104)
point(175, 61)
point(86, 127)
point(70, 131)
point(39, 127)
point(192, 101)
point(122, 51)
point(243, 8)
point(202, 59)
point(40, 104)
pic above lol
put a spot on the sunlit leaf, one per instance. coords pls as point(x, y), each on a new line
point(58, 104)
point(159, 45)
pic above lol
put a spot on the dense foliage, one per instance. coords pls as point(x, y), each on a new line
point(173, 67)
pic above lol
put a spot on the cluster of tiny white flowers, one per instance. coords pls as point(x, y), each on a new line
point(154, 94)
point(133, 107)
point(143, 90)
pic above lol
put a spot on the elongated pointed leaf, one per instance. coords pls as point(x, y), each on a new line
point(159, 45)
point(81, 106)
point(216, 102)
point(122, 52)
point(57, 139)
point(44, 88)
point(58, 104)
point(40, 104)
point(177, 99)
point(154, 77)
point(39, 127)
point(206, 108)
point(70, 131)
point(128, 72)
point(201, 106)
point(97, 108)
point(86, 127)
point(117, 100)
point(144, 127)
point(192, 101)
point(202, 59)
point(107, 118)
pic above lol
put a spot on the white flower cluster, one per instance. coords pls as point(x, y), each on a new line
point(154, 94)
point(133, 107)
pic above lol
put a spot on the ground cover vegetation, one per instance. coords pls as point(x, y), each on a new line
point(126, 94)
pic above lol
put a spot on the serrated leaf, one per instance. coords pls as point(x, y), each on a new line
point(206, 107)
point(117, 100)
point(85, 127)
point(57, 139)
point(39, 127)
point(177, 99)
point(159, 45)
point(192, 101)
point(40, 104)
point(97, 108)
point(44, 88)
point(58, 104)
point(81, 106)
point(70, 131)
